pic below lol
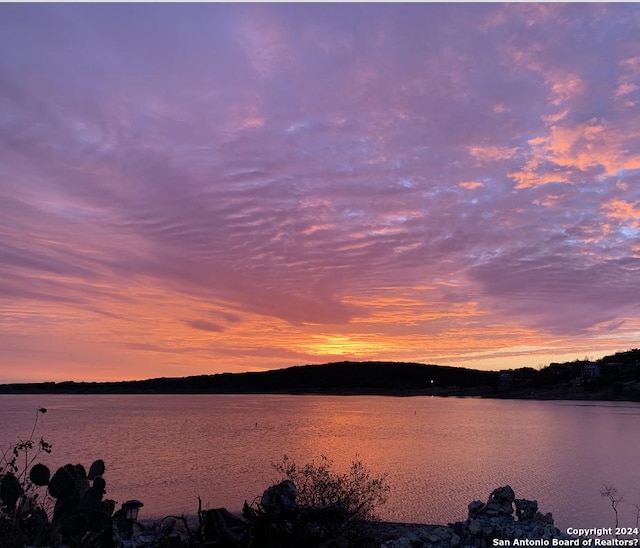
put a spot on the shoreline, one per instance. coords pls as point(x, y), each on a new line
point(612, 378)
point(502, 517)
point(543, 395)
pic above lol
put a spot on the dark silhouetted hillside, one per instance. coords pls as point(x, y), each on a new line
point(332, 378)
point(615, 377)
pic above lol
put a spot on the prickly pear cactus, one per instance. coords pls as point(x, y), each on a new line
point(97, 469)
point(80, 510)
point(10, 490)
point(40, 475)
point(62, 485)
point(99, 484)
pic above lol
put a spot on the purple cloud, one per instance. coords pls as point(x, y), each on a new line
point(204, 325)
point(352, 175)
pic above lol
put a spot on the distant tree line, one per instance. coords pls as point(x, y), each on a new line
point(338, 378)
point(612, 377)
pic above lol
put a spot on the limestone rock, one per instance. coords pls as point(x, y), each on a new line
point(501, 501)
point(280, 500)
point(475, 508)
point(495, 520)
point(402, 542)
point(526, 510)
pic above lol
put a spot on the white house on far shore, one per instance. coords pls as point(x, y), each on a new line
point(591, 371)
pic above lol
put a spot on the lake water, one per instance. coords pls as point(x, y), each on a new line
point(439, 453)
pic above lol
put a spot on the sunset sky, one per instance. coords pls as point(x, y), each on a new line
point(199, 188)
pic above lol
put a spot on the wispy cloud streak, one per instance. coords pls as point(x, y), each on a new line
point(207, 187)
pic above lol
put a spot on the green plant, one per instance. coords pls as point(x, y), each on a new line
point(80, 517)
point(357, 490)
point(17, 458)
point(23, 513)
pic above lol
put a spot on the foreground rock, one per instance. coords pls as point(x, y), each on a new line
point(278, 521)
point(486, 522)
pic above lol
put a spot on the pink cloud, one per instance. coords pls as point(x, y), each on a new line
point(567, 150)
point(267, 183)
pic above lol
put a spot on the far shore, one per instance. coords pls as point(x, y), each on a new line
point(555, 394)
point(612, 378)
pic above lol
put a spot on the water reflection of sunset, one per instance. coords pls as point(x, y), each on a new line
point(439, 453)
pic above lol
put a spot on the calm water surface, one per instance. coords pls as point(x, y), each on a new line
point(439, 453)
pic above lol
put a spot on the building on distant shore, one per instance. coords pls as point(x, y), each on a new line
point(591, 371)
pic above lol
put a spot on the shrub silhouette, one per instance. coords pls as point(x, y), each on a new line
point(356, 490)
